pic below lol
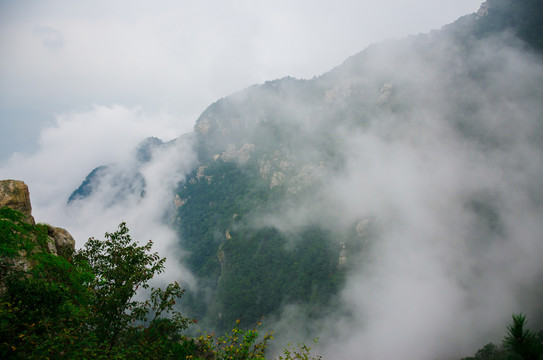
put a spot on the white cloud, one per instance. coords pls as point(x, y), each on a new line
point(164, 63)
point(181, 56)
point(455, 199)
point(81, 141)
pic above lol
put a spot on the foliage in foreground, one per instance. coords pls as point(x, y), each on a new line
point(242, 344)
point(82, 305)
point(520, 343)
point(238, 344)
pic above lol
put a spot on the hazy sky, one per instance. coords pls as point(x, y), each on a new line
point(82, 83)
point(171, 59)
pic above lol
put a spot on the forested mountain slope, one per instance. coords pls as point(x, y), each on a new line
point(410, 176)
point(256, 215)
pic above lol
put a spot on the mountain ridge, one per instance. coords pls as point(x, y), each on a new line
point(301, 184)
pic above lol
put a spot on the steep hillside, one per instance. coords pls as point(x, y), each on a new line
point(255, 216)
point(403, 181)
point(14, 195)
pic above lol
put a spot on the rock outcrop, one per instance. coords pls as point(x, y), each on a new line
point(62, 241)
point(483, 10)
point(14, 194)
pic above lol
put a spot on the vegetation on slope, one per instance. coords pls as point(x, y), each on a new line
point(245, 266)
point(520, 343)
point(250, 271)
point(83, 305)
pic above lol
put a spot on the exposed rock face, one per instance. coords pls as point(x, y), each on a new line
point(203, 126)
point(361, 227)
point(483, 10)
point(239, 155)
point(14, 194)
point(178, 202)
point(342, 256)
point(341, 91)
point(386, 92)
point(62, 240)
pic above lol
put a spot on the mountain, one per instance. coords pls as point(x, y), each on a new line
point(122, 180)
point(418, 158)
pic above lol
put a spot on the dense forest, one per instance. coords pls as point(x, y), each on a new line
point(399, 194)
point(81, 305)
point(258, 269)
point(272, 149)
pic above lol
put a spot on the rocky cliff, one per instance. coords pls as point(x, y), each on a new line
point(271, 208)
point(15, 195)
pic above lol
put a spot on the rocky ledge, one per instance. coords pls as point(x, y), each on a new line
point(14, 194)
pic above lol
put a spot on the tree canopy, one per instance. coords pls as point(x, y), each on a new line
point(83, 304)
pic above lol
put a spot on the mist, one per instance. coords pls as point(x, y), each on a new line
point(177, 57)
point(76, 144)
point(447, 167)
point(458, 212)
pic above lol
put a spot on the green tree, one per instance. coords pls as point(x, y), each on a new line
point(302, 352)
point(521, 341)
point(238, 344)
point(82, 305)
point(43, 300)
point(120, 268)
